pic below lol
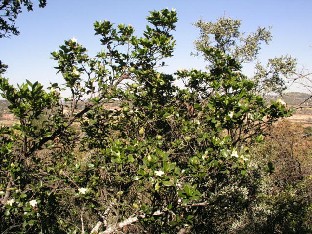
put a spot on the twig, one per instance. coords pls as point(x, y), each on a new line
point(96, 228)
point(7, 192)
point(82, 224)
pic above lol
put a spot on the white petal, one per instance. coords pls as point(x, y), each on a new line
point(159, 173)
point(33, 203)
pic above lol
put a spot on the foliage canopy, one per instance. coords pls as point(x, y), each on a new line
point(165, 158)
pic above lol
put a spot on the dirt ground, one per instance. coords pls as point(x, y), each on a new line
point(303, 116)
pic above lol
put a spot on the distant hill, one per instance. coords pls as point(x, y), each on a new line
point(296, 98)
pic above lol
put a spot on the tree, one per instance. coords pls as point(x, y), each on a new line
point(225, 34)
point(164, 159)
point(9, 10)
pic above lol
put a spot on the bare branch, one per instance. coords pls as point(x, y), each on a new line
point(118, 226)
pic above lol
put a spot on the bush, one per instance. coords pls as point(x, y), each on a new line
point(166, 159)
point(284, 197)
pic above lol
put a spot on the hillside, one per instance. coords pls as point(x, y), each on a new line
point(296, 98)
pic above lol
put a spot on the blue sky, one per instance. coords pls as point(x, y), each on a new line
point(42, 31)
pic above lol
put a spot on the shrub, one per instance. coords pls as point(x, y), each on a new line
point(167, 158)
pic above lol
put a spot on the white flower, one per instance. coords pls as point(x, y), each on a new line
point(182, 70)
point(76, 72)
point(74, 39)
point(244, 158)
point(136, 178)
point(10, 202)
point(231, 114)
point(82, 190)
point(33, 203)
point(159, 173)
point(197, 122)
point(280, 101)
point(204, 156)
point(157, 212)
point(234, 153)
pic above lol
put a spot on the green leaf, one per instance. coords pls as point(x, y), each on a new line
point(168, 183)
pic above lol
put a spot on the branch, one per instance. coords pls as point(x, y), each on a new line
point(115, 227)
point(96, 228)
point(118, 226)
point(134, 219)
point(60, 129)
point(7, 192)
point(57, 132)
point(199, 204)
point(82, 223)
point(307, 99)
